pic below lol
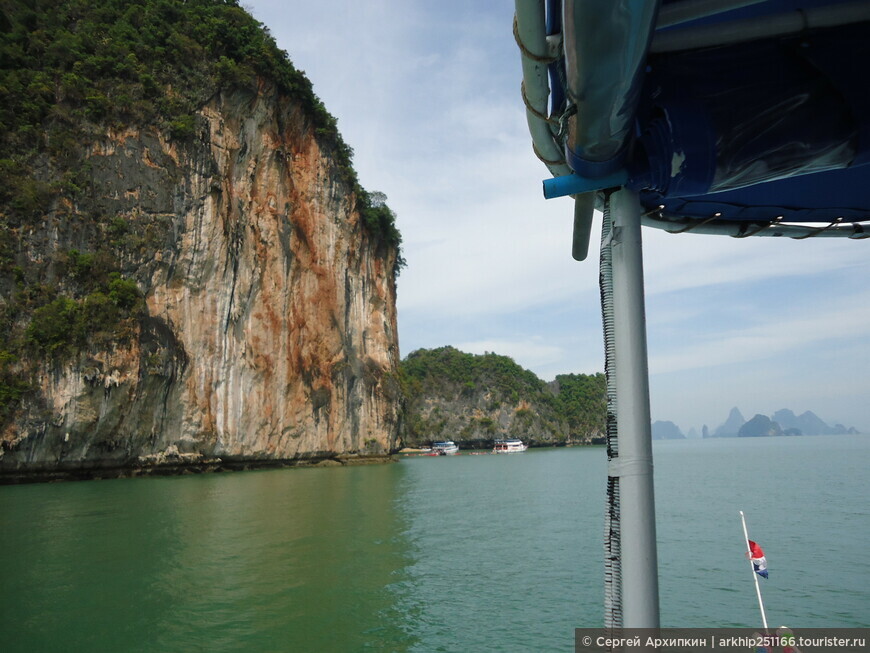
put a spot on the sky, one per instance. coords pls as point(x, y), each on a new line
point(428, 96)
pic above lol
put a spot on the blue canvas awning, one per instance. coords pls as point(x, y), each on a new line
point(739, 121)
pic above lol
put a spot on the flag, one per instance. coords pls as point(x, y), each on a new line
point(759, 562)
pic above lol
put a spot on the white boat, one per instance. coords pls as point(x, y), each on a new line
point(513, 445)
point(447, 448)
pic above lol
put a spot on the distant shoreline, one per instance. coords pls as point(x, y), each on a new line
point(97, 472)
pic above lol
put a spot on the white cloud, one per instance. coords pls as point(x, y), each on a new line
point(675, 262)
point(776, 335)
point(534, 352)
point(504, 259)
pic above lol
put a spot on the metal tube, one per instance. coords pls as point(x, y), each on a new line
point(739, 31)
point(634, 465)
point(531, 34)
point(584, 205)
point(677, 13)
point(742, 229)
point(754, 575)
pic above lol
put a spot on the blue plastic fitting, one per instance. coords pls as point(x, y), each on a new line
point(574, 184)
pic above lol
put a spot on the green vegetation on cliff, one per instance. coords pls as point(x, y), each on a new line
point(71, 72)
point(582, 401)
point(72, 68)
point(428, 370)
point(470, 398)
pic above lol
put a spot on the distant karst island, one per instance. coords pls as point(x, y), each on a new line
point(782, 422)
point(472, 399)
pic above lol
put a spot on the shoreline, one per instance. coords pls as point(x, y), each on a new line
point(97, 472)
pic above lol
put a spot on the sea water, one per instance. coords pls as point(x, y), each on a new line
point(459, 553)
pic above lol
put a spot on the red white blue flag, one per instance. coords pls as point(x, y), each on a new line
point(759, 562)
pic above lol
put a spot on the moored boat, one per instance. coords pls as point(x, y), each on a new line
point(512, 445)
point(446, 448)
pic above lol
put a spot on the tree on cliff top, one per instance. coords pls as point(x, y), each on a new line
point(428, 370)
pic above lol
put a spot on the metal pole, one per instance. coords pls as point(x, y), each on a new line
point(754, 575)
point(531, 35)
point(634, 466)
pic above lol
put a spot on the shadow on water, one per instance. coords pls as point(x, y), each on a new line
point(308, 560)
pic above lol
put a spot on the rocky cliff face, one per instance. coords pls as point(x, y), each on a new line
point(759, 426)
point(731, 426)
point(474, 419)
point(269, 327)
point(473, 399)
point(665, 430)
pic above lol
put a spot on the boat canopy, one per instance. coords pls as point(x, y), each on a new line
point(739, 117)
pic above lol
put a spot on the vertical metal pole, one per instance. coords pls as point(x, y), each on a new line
point(754, 575)
point(634, 466)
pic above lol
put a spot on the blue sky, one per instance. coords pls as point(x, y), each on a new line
point(428, 96)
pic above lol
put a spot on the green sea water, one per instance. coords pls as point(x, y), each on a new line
point(464, 553)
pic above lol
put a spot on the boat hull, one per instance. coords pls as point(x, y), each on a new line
point(444, 449)
point(509, 446)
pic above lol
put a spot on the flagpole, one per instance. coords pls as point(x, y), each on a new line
point(754, 575)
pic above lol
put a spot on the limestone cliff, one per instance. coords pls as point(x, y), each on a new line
point(268, 326)
point(472, 400)
point(759, 426)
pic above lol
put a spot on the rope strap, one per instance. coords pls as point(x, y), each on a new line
point(547, 161)
point(547, 59)
point(533, 110)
